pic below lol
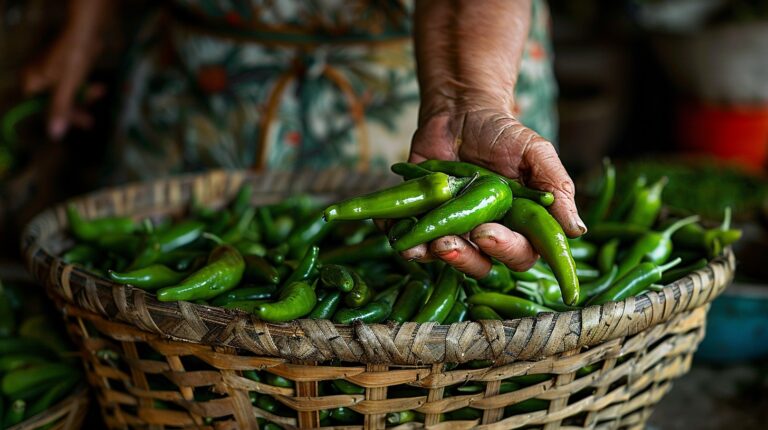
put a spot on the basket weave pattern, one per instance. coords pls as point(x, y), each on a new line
point(66, 414)
point(639, 345)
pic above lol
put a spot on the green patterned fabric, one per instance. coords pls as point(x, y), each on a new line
point(287, 84)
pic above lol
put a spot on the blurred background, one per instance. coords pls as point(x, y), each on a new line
point(663, 87)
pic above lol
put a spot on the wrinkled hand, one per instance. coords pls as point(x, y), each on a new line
point(498, 141)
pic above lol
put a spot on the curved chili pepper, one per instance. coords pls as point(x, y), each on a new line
point(654, 247)
point(607, 255)
point(177, 236)
point(486, 199)
point(633, 282)
point(647, 204)
point(149, 278)
point(712, 240)
point(538, 271)
point(373, 312)
point(582, 250)
point(224, 271)
point(407, 199)
point(248, 247)
point(400, 228)
point(80, 254)
point(374, 248)
point(296, 300)
point(336, 276)
point(482, 312)
point(443, 298)
point(306, 266)
point(360, 295)
point(585, 272)
point(258, 269)
point(457, 314)
point(459, 168)
point(413, 297)
point(327, 306)
point(409, 170)
point(547, 237)
point(591, 289)
point(238, 230)
point(621, 209)
point(307, 234)
point(599, 209)
point(508, 306)
point(346, 387)
point(95, 228)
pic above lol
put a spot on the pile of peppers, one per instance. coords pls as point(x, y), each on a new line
point(294, 259)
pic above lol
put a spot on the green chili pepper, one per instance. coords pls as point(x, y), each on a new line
point(647, 205)
point(15, 413)
point(374, 248)
point(93, 229)
point(403, 417)
point(258, 269)
point(149, 278)
point(413, 297)
point(633, 282)
point(551, 296)
point(277, 380)
point(712, 241)
point(582, 250)
point(360, 295)
point(224, 271)
point(458, 168)
point(591, 289)
point(508, 306)
point(80, 254)
point(400, 228)
point(443, 298)
point(277, 254)
point(457, 314)
point(296, 300)
point(547, 237)
point(177, 236)
point(599, 209)
point(678, 273)
point(266, 292)
point(242, 200)
point(237, 231)
point(409, 171)
point(307, 265)
point(654, 247)
point(407, 199)
point(327, 306)
point(267, 225)
point(346, 416)
point(30, 382)
point(497, 278)
point(607, 255)
point(585, 272)
point(482, 312)
point(336, 276)
point(527, 406)
point(465, 414)
point(123, 244)
point(269, 404)
point(538, 271)
point(486, 199)
point(248, 247)
point(628, 199)
point(308, 234)
point(53, 395)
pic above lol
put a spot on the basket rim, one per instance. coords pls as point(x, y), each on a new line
point(322, 340)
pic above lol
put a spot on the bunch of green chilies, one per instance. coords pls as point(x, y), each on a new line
point(291, 260)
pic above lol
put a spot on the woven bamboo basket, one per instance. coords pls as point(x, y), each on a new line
point(150, 362)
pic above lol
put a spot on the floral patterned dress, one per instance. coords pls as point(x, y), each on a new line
point(286, 84)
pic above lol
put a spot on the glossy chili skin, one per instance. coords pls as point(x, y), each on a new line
point(400, 228)
point(149, 278)
point(443, 297)
point(654, 247)
point(508, 306)
point(296, 300)
point(599, 208)
point(92, 229)
point(222, 273)
point(374, 248)
point(486, 199)
point(633, 282)
point(712, 240)
point(409, 170)
point(175, 237)
point(307, 234)
point(606, 257)
point(338, 277)
point(647, 205)
point(265, 292)
point(538, 271)
point(237, 231)
point(482, 312)
point(80, 253)
point(360, 295)
point(458, 313)
point(582, 250)
point(407, 199)
point(546, 235)
point(327, 306)
point(459, 168)
point(306, 266)
point(258, 269)
point(411, 299)
point(497, 278)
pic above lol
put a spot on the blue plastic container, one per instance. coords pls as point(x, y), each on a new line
point(737, 325)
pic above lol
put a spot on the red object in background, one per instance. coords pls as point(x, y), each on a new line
point(734, 133)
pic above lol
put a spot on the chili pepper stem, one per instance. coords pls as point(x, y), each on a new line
point(726, 219)
point(670, 265)
point(677, 225)
point(216, 239)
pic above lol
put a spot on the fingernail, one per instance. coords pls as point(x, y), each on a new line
point(444, 246)
point(580, 225)
point(57, 128)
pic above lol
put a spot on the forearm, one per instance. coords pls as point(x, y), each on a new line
point(86, 19)
point(468, 53)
